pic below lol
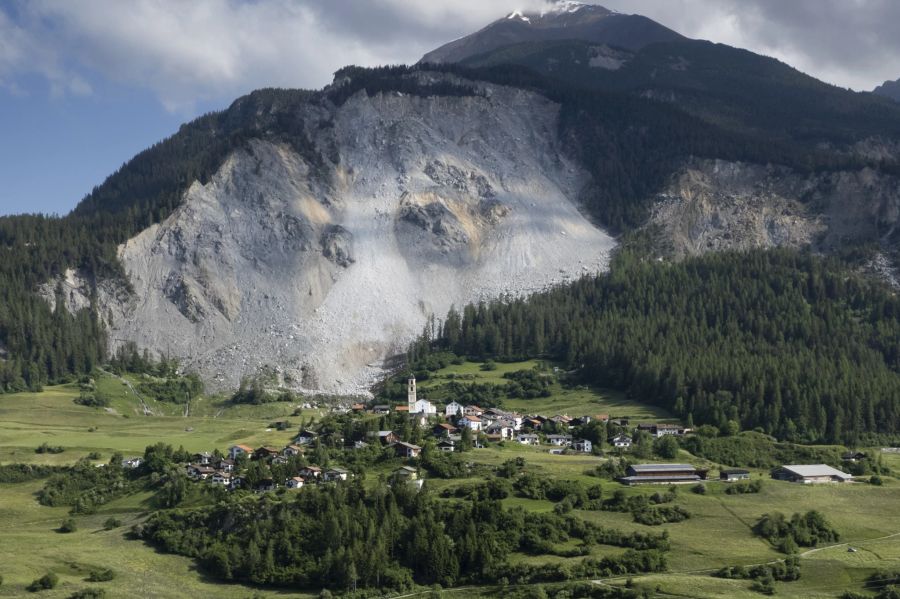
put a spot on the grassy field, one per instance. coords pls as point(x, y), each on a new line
point(572, 400)
point(717, 534)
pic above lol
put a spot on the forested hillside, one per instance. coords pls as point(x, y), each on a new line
point(786, 342)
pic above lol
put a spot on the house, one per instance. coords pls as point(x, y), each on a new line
point(453, 409)
point(199, 472)
point(386, 437)
point(358, 407)
point(335, 474)
point(407, 450)
point(559, 440)
point(582, 446)
point(534, 424)
point(292, 451)
point(446, 445)
point(419, 419)
point(295, 482)
point(401, 409)
point(562, 420)
point(503, 429)
point(660, 474)
point(810, 474)
point(472, 410)
point(405, 473)
point(471, 422)
point(601, 417)
point(623, 422)
point(305, 437)
point(225, 465)
point(238, 450)
point(621, 441)
point(661, 430)
point(203, 458)
point(853, 456)
point(528, 439)
point(733, 474)
point(381, 409)
point(265, 453)
point(310, 472)
point(444, 430)
point(132, 463)
point(221, 478)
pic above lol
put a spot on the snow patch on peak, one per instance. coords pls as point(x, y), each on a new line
point(564, 6)
point(517, 14)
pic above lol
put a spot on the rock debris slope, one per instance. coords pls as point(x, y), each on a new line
point(426, 203)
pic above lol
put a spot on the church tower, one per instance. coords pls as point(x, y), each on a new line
point(411, 394)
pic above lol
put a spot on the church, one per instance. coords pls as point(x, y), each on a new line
point(418, 406)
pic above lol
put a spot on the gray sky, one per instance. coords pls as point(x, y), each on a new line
point(86, 84)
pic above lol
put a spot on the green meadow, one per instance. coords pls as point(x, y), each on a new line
point(717, 534)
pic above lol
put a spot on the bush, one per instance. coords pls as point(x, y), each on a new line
point(102, 575)
point(875, 480)
point(47, 581)
point(661, 515)
point(742, 487)
point(112, 523)
point(94, 455)
point(699, 489)
point(68, 525)
point(45, 448)
point(89, 594)
point(92, 400)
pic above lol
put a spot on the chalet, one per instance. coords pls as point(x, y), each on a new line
point(405, 473)
point(503, 429)
point(265, 453)
point(810, 474)
point(659, 474)
point(386, 437)
point(853, 456)
point(444, 430)
point(559, 440)
point(533, 423)
point(401, 409)
point(733, 474)
point(237, 450)
point(335, 474)
point(562, 420)
point(310, 473)
point(582, 446)
point(305, 437)
point(132, 463)
point(264, 485)
point(621, 442)
point(199, 472)
point(236, 482)
point(453, 409)
point(472, 410)
point(203, 458)
point(446, 445)
point(470, 422)
point(221, 478)
point(528, 439)
point(381, 409)
point(225, 465)
point(295, 482)
point(292, 451)
point(407, 450)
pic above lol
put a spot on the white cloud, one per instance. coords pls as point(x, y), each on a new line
point(214, 50)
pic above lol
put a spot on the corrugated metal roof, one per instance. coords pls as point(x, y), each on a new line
point(815, 470)
point(661, 467)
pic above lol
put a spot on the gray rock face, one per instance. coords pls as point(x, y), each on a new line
point(430, 202)
point(889, 89)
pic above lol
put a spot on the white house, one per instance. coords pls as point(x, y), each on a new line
point(582, 445)
point(528, 439)
point(473, 423)
point(335, 474)
point(621, 441)
point(446, 445)
point(237, 450)
point(132, 463)
point(453, 409)
point(220, 478)
point(295, 482)
point(473, 410)
point(559, 440)
point(501, 428)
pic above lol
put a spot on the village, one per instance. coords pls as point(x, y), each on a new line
point(456, 427)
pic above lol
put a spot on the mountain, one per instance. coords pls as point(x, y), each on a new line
point(889, 89)
point(559, 21)
point(310, 235)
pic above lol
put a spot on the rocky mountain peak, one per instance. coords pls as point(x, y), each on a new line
point(889, 89)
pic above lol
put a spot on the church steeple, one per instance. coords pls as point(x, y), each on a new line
point(411, 394)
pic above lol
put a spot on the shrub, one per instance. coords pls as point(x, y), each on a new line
point(699, 489)
point(68, 525)
point(112, 523)
point(47, 581)
point(46, 448)
point(89, 594)
point(875, 480)
point(102, 575)
point(92, 400)
point(94, 455)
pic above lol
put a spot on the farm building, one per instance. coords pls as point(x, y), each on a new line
point(734, 474)
point(658, 474)
point(810, 473)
